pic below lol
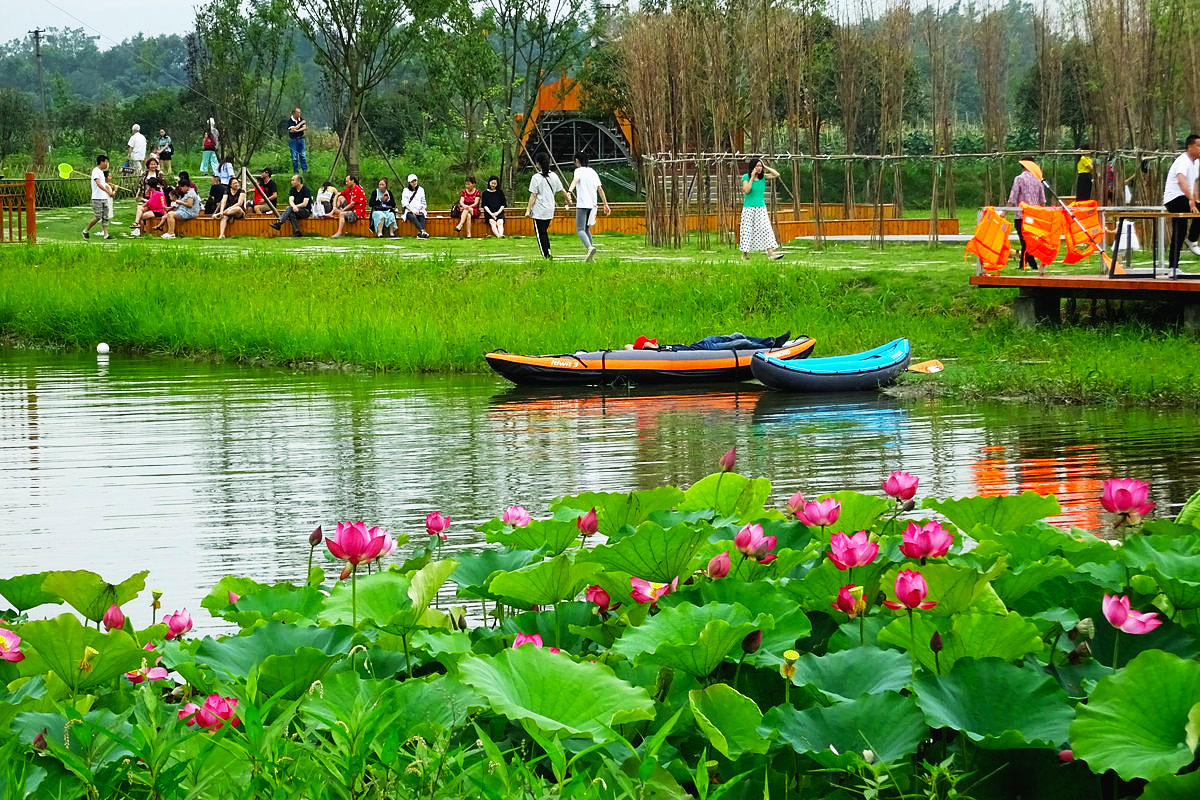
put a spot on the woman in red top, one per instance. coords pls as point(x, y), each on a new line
point(469, 200)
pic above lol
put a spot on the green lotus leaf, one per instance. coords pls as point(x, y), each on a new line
point(85, 741)
point(555, 693)
point(996, 705)
point(790, 623)
point(544, 583)
point(283, 602)
point(442, 703)
point(1136, 721)
point(353, 708)
point(216, 602)
point(728, 495)
point(888, 724)
point(694, 639)
point(296, 672)
point(62, 642)
point(236, 656)
point(1001, 513)
point(1190, 513)
point(651, 552)
point(728, 719)
point(1173, 561)
point(1173, 787)
point(551, 536)
point(422, 590)
point(474, 570)
point(1008, 637)
point(847, 674)
point(1015, 584)
point(381, 597)
point(820, 585)
point(955, 589)
point(615, 510)
point(27, 591)
point(91, 595)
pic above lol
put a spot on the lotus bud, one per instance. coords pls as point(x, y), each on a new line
point(728, 460)
point(868, 756)
point(316, 537)
point(1081, 653)
point(346, 572)
point(1066, 756)
point(935, 642)
point(909, 505)
point(39, 741)
point(113, 618)
point(719, 566)
point(587, 524)
point(234, 597)
point(752, 642)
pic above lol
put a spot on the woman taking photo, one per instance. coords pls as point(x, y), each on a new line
point(468, 205)
point(383, 209)
point(756, 231)
point(494, 203)
point(542, 188)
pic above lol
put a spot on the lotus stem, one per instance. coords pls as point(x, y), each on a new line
point(354, 595)
point(407, 663)
point(308, 572)
point(912, 638)
point(737, 673)
point(1116, 647)
point(862, 629)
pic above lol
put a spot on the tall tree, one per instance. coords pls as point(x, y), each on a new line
point(535, 40)
point(358, 44)
point(238, 60)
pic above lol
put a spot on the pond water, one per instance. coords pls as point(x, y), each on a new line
point(195, 471)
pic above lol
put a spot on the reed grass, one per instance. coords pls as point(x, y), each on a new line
point(410, 311)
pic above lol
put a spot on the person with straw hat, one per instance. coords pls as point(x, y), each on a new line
point(1027, 188)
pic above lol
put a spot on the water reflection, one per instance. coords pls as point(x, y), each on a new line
point(197, 470)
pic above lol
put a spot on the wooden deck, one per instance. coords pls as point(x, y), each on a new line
point(1039, 296)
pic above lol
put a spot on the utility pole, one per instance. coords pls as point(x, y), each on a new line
point(41, 141)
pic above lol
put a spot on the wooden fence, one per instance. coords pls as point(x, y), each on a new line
point(18, 211)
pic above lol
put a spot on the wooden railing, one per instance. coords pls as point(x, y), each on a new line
point(18, 211)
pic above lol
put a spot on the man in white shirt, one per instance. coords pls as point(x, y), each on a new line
point(412, 203)
point(1179, 197)
point(137, 150)
point(101, 193)
point(588, 184)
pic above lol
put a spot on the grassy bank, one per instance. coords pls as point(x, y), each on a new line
point(437, 306)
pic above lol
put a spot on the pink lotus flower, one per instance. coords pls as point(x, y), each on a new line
point(819, 513)
point(847, 552)
point(146, 674)
point(926, 541)
point(910, 591)
point(534, 639)
point(213, 715)
point(718, 566)
point(1066, 756)
point(355, 544)
point(795, 504)
point(177, 624)
point(597, 595)
point(436, 524)
point(645, 591)
point(516, 516)
point(234, 597)
point(728, 460)
point(10, 647)
point(751, 543)
point(587, 524)
point(1125, 496)
point(1120, 615)
point(850, 600)
point(389, 544)
point(113, 618)
point(901, 485)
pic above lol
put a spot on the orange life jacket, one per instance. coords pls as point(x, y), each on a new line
point(1089, 218)
point(1041, 227)
point(990, 242)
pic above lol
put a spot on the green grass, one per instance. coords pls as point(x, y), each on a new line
point(438, 305)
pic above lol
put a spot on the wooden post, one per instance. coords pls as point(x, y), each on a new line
point(30, 209)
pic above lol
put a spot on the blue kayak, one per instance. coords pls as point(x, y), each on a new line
point(856, 372)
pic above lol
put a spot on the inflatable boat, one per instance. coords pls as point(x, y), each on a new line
point(857, 372)
point(606, 367)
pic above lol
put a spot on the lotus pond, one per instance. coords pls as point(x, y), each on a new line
point(664, 643)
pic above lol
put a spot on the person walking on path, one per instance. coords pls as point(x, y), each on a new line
point(296, 126)
point(137, 150)
point(101, 193)
point(1028, 189)
point(756, 233)
point(585, 186)
point(412, 206)
point(212, 141)
point(1179, 197)
point(542, 187)
point(299, 206)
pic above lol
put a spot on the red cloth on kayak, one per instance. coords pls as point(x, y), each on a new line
point(641, 342)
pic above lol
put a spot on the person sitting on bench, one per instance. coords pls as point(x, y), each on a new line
point(232, 205)
point(264, 192)
point(216, 195)
point(349, 206)
point(733, 341)
point(186, 207)
point(412, 206)
point(299, 206)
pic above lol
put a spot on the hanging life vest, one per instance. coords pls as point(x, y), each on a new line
point(1085, 236)
point(1041, 228)
point(990, 242)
